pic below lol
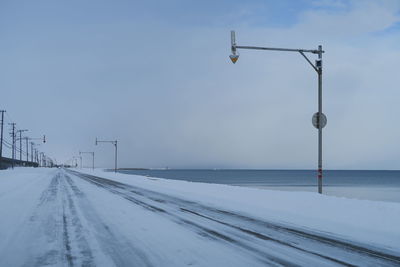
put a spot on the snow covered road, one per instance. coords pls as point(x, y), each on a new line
point(65, 218)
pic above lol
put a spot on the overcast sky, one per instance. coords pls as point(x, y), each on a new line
point(156, 76)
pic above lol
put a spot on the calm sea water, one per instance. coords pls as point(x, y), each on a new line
point(361, 184)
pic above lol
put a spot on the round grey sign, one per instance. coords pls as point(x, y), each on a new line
point(316, 120)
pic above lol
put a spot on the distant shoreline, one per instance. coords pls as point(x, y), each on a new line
point(133, 169)
point(240, 169)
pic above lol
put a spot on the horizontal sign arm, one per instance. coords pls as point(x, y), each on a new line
point(314, 51)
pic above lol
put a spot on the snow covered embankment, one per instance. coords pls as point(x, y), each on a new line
point(369, 222)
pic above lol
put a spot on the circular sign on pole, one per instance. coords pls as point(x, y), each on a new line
point(316, 120)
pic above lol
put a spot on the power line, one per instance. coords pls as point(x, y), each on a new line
point(10, 142)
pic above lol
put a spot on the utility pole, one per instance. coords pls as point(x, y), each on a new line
point(115, 143)
point(13, 143)
point(319, 119)
point(92, 153)
point(27, 140)
point(1, 137)
point(20, 142)
point(27, 149)
point(32, 143)
point(41, 159)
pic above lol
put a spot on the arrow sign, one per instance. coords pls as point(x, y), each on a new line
point(234, 58)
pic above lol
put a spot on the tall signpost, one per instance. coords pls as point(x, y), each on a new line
point(115, 143)
point(319, 119)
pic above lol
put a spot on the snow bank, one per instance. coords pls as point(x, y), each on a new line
point(372, 222)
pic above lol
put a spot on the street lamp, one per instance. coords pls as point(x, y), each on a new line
point(115, 143)
point(92, 153)
point(319, 119)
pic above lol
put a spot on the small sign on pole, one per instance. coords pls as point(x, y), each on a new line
point(316, 120)
point(234, 58)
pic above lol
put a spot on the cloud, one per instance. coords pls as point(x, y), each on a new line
point(170, 95)
point(362, 17)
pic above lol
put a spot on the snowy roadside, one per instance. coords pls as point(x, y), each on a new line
point(371, 222)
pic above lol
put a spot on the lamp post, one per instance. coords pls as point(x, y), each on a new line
point(319, 119)
point(115, 143)
point(92, 153)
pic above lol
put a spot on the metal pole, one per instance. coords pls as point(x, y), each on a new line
point(320, 117)
point(320, 123)
point(1, 138)
point(115, 143)
point(116, 148)
point(93, 160)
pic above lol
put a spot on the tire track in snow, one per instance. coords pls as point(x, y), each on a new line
point(352, 252)
point(264, 257)
point(45, 219)
point(56, 221)
point(78, 250)
point(121, 251)
point(67, 246)
point(211, 234)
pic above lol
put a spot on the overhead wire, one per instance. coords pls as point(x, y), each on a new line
point(7, 138)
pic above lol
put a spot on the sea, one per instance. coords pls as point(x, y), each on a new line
point(376, 185)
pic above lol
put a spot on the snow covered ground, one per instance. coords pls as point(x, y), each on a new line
point(56, 217)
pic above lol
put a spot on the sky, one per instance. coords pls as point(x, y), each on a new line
point(156, 76)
